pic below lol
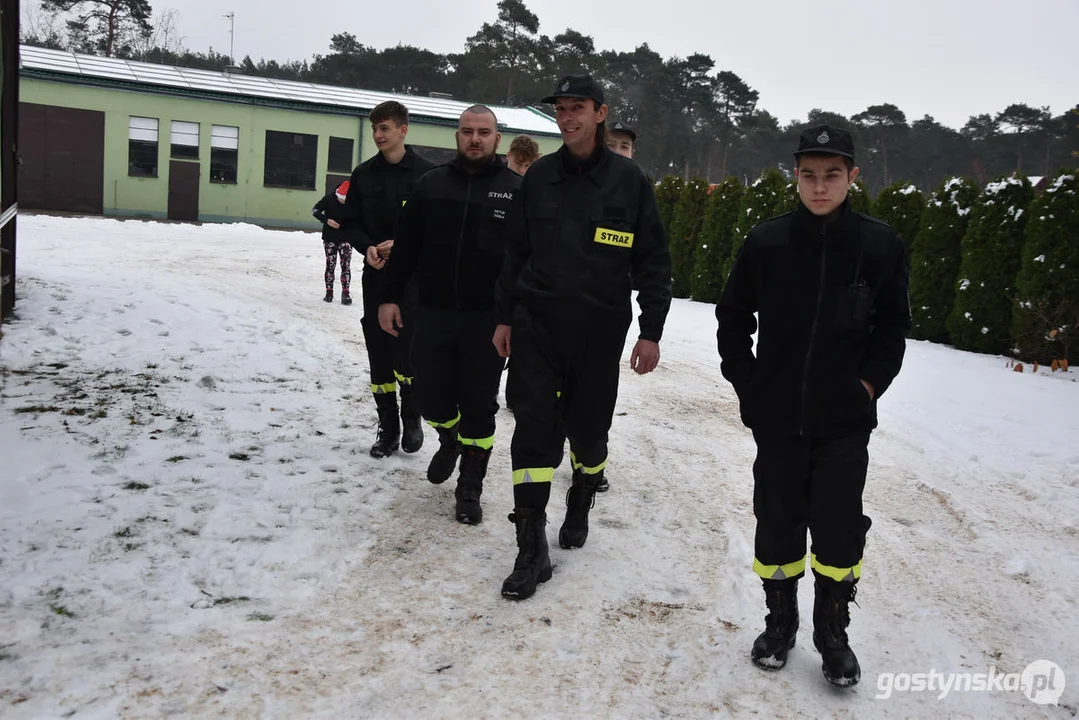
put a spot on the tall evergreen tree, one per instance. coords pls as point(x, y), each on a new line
point(758, 204)
point(901, 206)
point(667, 193)
point(714, 249)
point(935, 255)
point(107, 27)
point(860, 199)
point(685, 233)
point(1047, 309)
point(981, 320)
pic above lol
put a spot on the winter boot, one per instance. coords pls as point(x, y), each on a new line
point(470, 484)
point(831, 616)
point(346, 298)
point(780, 625)
point(412, 425)
point(444, 461)
point(329, 295)
point(389, 427)
point(603, 486)
point(533, 564)
point(579, 500)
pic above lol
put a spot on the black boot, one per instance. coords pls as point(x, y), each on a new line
point(389, 427)
point(780, 625)
point(346, 299)
point(831, 616)
point(533, 563)
point(444, 461)
point(470, 484)
point(329, 295)
point(412, 425)
point(579, 500)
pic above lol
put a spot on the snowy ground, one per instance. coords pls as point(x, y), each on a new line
point(190, 524)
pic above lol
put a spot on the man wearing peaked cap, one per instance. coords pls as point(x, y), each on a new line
point(583, 226)
point(622, 139)
point(827, 288)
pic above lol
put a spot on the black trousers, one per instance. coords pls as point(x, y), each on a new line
point(814, 483)
point(389, 356)
point(458, 372)
point(565, 374)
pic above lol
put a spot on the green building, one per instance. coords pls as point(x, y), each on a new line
point(117, 137)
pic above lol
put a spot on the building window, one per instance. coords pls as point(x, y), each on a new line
point(185, 140)
point(438, 156)
point(224, 152)
point(340, 155)
point(291, 160)
point(142, 146)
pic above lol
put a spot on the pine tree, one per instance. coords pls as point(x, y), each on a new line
point(901, 205)
point(714, 248)
point(759, 203)
point(685, 233)
point(1046, 321)
point(667, 193)
point(935, 255)
point(860, 200)
point(981, 320)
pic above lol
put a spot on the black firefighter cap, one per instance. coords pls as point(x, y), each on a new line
point(577, 86)
point(827, 140)
point(623, 128)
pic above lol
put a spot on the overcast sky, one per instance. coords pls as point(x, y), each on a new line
point(946, 58)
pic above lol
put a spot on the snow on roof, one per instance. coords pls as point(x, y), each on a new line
point(165, 76)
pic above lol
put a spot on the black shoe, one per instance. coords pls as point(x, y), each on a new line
point(470, 485)
point(444, 461)
point(329, 296)
point(603, 486)
point(533, 564)
point(411, 423)
point(579, 500)
point(346, 299)
point(781, 624)
point(831, 616)
point(389, 426)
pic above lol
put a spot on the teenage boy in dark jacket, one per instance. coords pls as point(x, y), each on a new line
point(825, 289)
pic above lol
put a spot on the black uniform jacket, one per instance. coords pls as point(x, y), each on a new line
point(579, 232)
point(329, 208)
point(451, 236)
point(377, 192)
point(830, 297)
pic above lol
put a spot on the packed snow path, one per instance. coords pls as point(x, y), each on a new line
point(190, 524)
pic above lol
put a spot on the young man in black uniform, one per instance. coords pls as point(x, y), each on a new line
point(378, 189)
point(622, 140)
point(584, 222)
point(451, 237)
point(829, 289)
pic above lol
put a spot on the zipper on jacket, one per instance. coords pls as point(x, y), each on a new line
point(460, 244)
point(813, 332)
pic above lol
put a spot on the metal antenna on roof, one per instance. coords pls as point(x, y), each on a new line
point(232, 46)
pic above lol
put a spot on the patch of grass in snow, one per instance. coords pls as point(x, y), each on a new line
point(239, 456)
point(138, 486)
point(260, 617)
point(124, 533)
point(61, 610)
point(36, 409)
point(177, 458)
point(191, 532)
point(229, 600)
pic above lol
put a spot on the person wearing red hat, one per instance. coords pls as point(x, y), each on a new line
point(331, 212)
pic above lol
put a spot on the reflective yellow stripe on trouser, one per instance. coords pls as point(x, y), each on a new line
point(384, 389)
point(780, 572)
point(446, 425)
point(485, 443)
point(586, 470)
point(533, 475)
point(847, 574)
point(402, 379)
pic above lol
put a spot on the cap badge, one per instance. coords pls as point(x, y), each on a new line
point(823, 138)
point(565, 87)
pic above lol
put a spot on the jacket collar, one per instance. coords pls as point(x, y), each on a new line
point(829, 225)
point(491, 168)
point(595, 167)
point(406, 161)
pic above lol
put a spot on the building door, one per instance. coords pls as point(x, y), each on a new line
point(63, 159)
point(184, 191)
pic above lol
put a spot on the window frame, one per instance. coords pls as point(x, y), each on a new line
point(225, 139)
point(139, 127)
point(311, 159)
